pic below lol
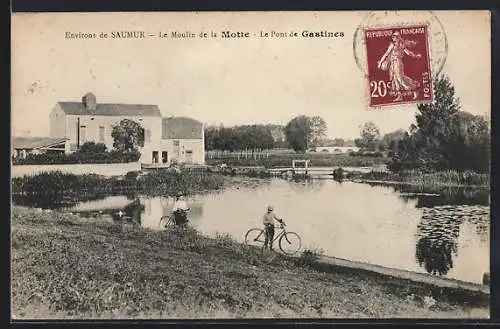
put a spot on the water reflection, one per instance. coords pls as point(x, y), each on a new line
point(438, 232)
point(54, 199)
point(437, 241)
point(346, 220)
point(155, 208)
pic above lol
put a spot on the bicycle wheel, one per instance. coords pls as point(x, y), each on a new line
point(255, 237)
point(290, 243)
point(167, 221)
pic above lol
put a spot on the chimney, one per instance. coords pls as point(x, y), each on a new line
point(89, 101)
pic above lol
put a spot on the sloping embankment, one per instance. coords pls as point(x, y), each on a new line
point(68, 267)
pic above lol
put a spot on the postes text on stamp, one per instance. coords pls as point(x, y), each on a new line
point(398, 61)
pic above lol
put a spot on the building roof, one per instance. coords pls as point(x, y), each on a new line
point(30, 143)
point(181, 128)
point(77, 108)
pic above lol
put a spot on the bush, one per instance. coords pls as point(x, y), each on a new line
point(92, 148)
point(373, 154)
point(165, 181)
point(309, 257)
point(132, 175)
point(87, 155)
point(56, 182)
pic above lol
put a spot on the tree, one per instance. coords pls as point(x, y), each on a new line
point(338, 142)
point(277, 132)
point(444, 136)
point(298, 133)
point(390, 141)
point(370, 136)
point(210, 137)
point(239, 138)
point(319, 129)
point(128, 136)
point(92, 148)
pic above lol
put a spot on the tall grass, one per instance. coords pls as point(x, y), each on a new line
point(57, 188)
point(430, 179)
point(163, 182)
point(47, 183)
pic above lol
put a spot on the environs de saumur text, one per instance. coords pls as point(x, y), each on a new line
point(227, 34)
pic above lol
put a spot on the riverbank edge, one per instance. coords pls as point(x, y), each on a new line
point(474, 293)
point(403, 183)
point(330, 263)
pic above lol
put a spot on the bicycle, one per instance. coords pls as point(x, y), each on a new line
point(288, 242)
point(168, 220)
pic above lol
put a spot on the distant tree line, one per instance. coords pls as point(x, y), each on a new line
point(300, 133)
point(371, 140)
point(249, 138)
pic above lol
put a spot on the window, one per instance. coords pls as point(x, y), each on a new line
point(164, 157)
point(189, 156)
point(177, 149)
point(83, 134)
point(155, 157)
point(101, 133)
point(147, 135)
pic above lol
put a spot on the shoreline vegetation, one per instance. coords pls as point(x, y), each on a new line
point(59, 188)
point(65, 266)
point(431, 180)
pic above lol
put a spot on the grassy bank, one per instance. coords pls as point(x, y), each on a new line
point(64, 266)
point(433, 180)
point(317, 160)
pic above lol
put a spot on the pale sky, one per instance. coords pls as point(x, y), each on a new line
point(233, 81)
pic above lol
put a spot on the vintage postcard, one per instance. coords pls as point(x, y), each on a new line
point(237, 165)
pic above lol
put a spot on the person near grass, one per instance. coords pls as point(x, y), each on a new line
point(180, 210)
point(268, 221)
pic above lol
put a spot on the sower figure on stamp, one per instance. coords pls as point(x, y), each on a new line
point(392, 60)
point(268, 221)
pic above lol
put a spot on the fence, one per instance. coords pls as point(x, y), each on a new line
point(112, 169)
point(237, 155)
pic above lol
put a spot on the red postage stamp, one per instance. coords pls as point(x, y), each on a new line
point(399, 69)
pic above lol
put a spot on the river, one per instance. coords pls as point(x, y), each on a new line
point(443, 234)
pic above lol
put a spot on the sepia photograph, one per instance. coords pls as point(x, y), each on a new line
point(250, 165)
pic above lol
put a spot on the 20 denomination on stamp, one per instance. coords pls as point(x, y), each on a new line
point(398, 63)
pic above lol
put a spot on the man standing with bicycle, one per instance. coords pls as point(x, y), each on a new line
point(268, 221)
